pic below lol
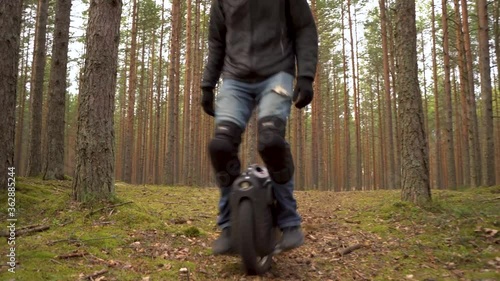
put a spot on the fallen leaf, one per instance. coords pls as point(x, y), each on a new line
point(491, 232)
point(135, 244)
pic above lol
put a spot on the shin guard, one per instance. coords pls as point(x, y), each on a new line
point(223, 150)
point(274, 149)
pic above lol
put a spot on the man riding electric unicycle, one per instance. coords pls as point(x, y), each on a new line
point(258, 46)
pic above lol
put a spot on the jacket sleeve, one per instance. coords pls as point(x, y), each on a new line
point(306, 37)
point(216, 46)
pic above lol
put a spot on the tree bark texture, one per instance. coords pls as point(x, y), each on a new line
point(488, 159)
point(94, 173)
point(451, 181)
point(36, 92)
point(414, 151)
point(54, 168)
point(10, 30)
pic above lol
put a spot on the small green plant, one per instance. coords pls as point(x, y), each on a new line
point(192, 232)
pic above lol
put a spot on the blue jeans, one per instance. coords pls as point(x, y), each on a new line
point(235, 103)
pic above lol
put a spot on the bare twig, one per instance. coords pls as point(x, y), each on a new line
point(108, 207)
point(95, 274)
point(55, 261)
point(349, 249)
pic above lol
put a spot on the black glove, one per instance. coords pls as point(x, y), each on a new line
point(207, 101)
point(303, 93)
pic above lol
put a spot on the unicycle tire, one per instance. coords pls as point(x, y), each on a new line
point(253, 264)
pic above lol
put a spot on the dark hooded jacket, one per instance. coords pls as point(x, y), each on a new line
point(250, 40)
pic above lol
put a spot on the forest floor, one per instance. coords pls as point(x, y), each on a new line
point(151, 232)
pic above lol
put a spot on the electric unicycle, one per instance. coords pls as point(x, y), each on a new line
point(254, 231)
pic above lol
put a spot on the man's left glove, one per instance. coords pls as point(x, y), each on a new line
point(303, 93)
point(207, 101)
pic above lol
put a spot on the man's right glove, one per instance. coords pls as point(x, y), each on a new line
point(303, 93)
point(207, 101)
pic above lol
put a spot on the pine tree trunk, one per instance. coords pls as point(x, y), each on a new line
point(496, 39)
point(294, 142)
point(474, 147)
point(426, 108)
point(497, 128)
point(138, 158)
point(57, 93)
point(170, 160)
point(389, 138)
point(464, 96)
point(159, 97)
point(438, 166)
point(358, 161)
point(496, 36)
point(488, 159)
point(373, 141)
point(448, 109)
point(129, 135)
point(381, 174)
point(36, 92)
point(415, 170)
point(459, 163)
point(186, 113)
point(329, 139)
point(177, 104)
point(122, 105)
point(301, 151)
point(10, 32)
point(148, 173)
point(94, 173)
point(396, 153)
point(347, 119)
point(20, 150)
point(316, 113)
point(197, 165)
point(70, 135)
point(337, 159)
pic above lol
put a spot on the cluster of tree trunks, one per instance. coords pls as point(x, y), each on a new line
point(369, 126)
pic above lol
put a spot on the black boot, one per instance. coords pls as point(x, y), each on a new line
point(222, 245)
point(292, 238)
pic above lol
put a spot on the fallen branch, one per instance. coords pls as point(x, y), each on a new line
point(95, 274)
point(349, 249)
point(108, 207)
point(352, 221)
point(492, 199)
point(26, 230)
point(34, 229)
point(71, 255)
point(74, 240)
point(50, 243)
point(29, 226)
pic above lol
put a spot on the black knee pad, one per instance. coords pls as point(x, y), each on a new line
point(274, 149)
point(223, 150)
